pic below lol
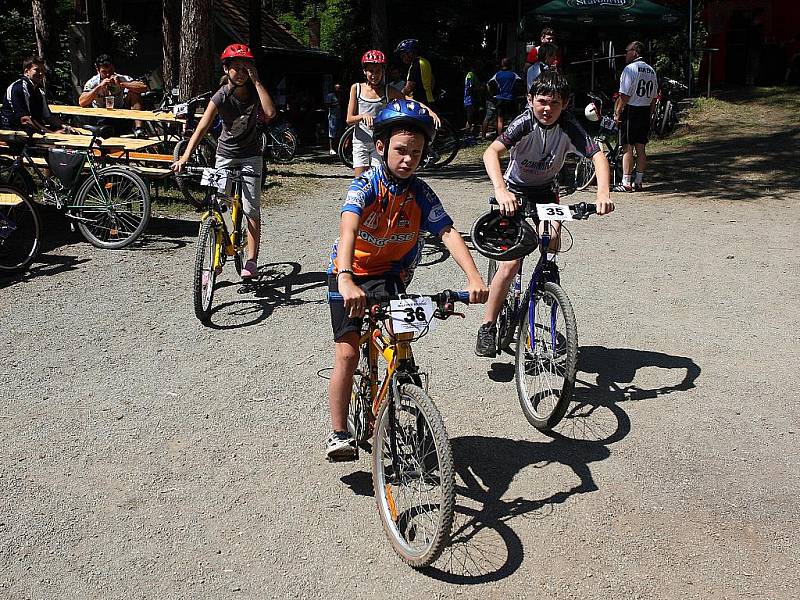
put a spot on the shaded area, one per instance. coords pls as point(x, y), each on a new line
point(737, 168)
point(483, 545)
point(278, 284)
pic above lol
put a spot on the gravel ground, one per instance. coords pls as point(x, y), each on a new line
point(144, 455)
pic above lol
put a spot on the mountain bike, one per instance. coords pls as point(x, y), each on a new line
point(608, 140)
point(412, 462)
point(542, 320)
point(20, 230)
point(219, 238)
point(278, 140)
point(111, 207)
point(203, 155)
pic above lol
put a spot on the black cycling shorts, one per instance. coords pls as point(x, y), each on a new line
point(506, 109)
point(380, 285)
point(635, 125)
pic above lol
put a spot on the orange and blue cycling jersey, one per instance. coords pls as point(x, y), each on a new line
point(391, 215)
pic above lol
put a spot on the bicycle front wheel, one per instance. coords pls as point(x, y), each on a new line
point(20, 230)
point(584, 173)
point(345, 149)
point(413, 476)
point(444, 147)
point(283, 145)
point(113, 210)
point(202, 156)
point(205, 268)
point(546, 357)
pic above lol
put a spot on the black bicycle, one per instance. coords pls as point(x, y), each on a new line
point(20, 230)
point(541, 319)
point(608, 140)
point(111, 206)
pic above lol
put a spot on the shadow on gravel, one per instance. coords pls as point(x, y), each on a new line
point(278, 284)
point(164, 234)
point(717, 167)
point(471, 172)
point(595, 415)
point(484, 547)
point(347, 175)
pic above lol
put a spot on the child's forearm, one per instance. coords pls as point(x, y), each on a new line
point(458, 250)
point(491, 160)
point(267, 105)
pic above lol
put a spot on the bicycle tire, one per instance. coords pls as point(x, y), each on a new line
point(445, 146)
point(585, 173)
point(505, 325)
point(426, 460)
point(202, 156)
point(20, 230)
point(666, 118)
point(17, 177)
point(119, 224)
point(284, 145)
point(345, 148)
point(205, 273)
point(360, 403)
point(544, 363)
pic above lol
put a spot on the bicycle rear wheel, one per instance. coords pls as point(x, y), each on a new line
point(345, 149)
point(413, 476)
point(282, 144)
point(584, 173)
point(20, 230)
point(114, 213)
point(547, 358)
point(505, 319)
point(205, 268)
point(444, 147)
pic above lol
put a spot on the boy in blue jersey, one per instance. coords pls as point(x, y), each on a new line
point(504, 86)
point(379, 245)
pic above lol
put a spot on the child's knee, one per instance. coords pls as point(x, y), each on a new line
point(347, 351)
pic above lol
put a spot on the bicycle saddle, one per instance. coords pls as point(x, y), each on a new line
point(101, 131)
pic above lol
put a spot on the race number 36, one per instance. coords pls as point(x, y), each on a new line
point(553, 212)
point(412, 315)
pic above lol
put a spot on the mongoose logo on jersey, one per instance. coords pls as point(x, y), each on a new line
point(397, 238)
point(371, 221)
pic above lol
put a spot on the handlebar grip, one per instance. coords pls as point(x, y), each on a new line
point(463, 297)
point(334, 297)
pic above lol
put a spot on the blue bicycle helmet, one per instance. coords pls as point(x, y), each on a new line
point(403, 113)
point(408, 45)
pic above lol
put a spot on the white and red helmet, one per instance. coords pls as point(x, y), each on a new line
point(373, 57)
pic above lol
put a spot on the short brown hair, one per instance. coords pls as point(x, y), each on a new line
point(30, 61)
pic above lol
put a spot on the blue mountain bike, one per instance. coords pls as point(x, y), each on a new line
point(541, 320)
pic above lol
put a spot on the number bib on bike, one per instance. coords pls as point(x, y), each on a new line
point(412, 315)
point(553, 212)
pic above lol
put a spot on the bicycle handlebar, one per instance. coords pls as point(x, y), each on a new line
point(441, 299)
point(580, 211)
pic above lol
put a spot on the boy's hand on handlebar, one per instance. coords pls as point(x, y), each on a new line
point(355, 300)
point(507, 201)
point(604, 205)
point(478, 292)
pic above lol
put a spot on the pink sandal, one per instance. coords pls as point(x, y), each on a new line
point(249, 270)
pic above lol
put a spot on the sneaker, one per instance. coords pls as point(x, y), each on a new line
point(249, 270)
point(622, 188)
point(486, 344)
point(340, 445)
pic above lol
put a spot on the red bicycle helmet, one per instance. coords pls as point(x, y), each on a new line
point(236, 51)
point(375, 57)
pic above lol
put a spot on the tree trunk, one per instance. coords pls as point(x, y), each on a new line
point(170, 42)
point(254, 40)
point(196, 60)
point(380, 32)
point(46, 42)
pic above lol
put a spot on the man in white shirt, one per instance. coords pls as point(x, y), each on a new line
point(638, 87)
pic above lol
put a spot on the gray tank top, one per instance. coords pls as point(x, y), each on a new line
point(370, 107)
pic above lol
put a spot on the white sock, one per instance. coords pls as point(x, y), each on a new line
point(626, 180)
point(639, 177)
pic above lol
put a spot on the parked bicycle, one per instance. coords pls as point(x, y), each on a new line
point(540, 316)
point(278, 140)
point(664, 118)
point(219, 238)
point(608, 140)
point(412, 462)
point(111, 206)
point(203, 155)
point(20, 230)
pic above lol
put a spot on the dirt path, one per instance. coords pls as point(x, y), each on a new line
point(143, 455)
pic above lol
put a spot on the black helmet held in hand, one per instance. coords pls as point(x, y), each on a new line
point(503, 237)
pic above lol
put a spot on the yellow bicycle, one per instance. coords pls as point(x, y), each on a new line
point(217, 241)
point(412, 462)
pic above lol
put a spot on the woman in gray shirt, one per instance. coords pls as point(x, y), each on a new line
point(237, 103)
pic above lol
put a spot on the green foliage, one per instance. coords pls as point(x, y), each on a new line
point(17, 41)
point(669, 50)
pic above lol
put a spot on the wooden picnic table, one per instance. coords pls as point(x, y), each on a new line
point(115, 113)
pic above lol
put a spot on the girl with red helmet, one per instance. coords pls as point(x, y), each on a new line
point(366, 101)
point(238, 103)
